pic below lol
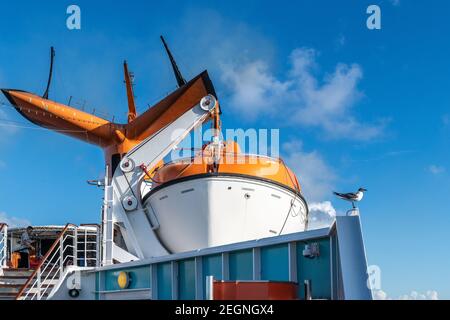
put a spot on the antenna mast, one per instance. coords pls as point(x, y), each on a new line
point(130, 95)
point(52, 56)
point(180, 80)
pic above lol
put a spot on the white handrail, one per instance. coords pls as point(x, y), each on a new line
point(3, 245)
point(64, 250)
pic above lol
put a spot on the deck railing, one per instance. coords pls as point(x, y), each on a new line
point(3, 245)
point(75, 246)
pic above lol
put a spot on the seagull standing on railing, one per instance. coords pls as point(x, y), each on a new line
point(352, 197)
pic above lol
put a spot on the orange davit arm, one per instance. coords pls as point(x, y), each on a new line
point(59, 117)
point(114, 138)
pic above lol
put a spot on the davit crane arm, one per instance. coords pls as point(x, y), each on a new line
point(123, 205)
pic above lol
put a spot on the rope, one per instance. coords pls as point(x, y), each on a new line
point(287, 216)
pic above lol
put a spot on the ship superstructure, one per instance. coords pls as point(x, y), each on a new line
point(221, 214)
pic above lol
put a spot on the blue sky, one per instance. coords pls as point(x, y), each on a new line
point(355, 107)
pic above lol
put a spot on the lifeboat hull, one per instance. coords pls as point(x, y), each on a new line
point(211, 210)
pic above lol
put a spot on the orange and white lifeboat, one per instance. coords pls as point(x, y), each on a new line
point(208, 201)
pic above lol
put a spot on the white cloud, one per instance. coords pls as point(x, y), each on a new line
point(253, 89)
point(243, 60)
point(379, 295)
point(13, 222)
point(316, 177)
point(224, 42)
point(414, 295)
point(301, 97)
point(435, 169)
point(321, 214)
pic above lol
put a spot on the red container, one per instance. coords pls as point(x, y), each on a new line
point(254, 290)
point(34, 262)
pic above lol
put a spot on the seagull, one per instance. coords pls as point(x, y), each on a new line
point(352, 197)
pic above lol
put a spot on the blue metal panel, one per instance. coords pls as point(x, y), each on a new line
point(317, 270)
point(335, 267)
point(164, 272)
point(139, 278)
point(212, 266)
point(241, 265)
point(97, 285)
point(186, 282)
point(238, 264)
point(275, 263)
point(286, 238)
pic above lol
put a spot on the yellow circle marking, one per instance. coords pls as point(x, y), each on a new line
point(123, 280)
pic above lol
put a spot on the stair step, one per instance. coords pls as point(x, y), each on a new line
point(12, 296)
point(14, 276)
point(22, 281)
point(21, 270)
point(8, 295)
point(18, 269)
point(17, 272)
point(31, 297)
point(50, 287)
point(7, 288)
point(9, 285)
point(25, 274)
point(13, 280)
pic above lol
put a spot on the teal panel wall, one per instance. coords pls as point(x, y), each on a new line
point(186, 282)
point(97, 285)
point(275, 263)
point(241, 265)
point(139, 278)
point(164, 274)
point(212, 266)
point(317, 270)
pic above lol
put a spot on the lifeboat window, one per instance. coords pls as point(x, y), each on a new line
point(187, 190)
point(164, 197)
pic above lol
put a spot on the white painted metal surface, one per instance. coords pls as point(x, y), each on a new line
point(353, 262)
point(213, 211)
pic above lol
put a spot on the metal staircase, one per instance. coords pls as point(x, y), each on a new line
point(12, 280)
point(75, 247)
